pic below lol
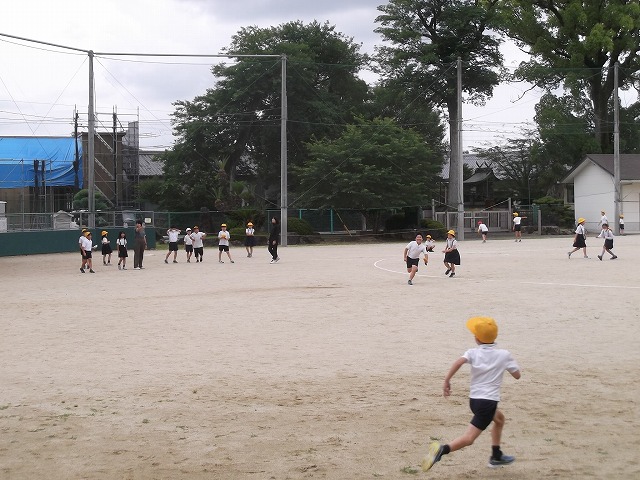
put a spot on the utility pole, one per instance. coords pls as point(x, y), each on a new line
point(460, 172)
point(283, 154)
point(616, 154)
point(91, 147)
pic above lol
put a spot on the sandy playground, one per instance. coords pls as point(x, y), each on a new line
point(326, 365)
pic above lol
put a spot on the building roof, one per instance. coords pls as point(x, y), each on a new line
point(471, 160)
point(481, 175)
point(629, 166)
point(148, 165)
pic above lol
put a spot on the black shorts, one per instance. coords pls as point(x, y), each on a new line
point(173, 246)
point(188, 248)
point(87, 254)
point(484, 233)
point(483, 412)
point(223, 248)
point(412, 262)
point(517, 228)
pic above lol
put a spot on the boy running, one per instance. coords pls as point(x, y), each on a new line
point(488, 364)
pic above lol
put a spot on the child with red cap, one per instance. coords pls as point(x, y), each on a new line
point(488, 364)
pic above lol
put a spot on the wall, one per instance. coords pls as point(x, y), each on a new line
point(60, 241)
point(593, 191)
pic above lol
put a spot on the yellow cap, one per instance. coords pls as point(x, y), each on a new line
point(483, 328)
point(249, 224)
point(428, 236)
point(581, 220)
point(223, 225)
point(451, 232)
point(104, 232)
point(515, 214)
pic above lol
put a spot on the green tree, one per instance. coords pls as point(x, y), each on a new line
point(238, 119)
point(575, 44)
point(81, 200)
point(374, 164)
point(426, 37)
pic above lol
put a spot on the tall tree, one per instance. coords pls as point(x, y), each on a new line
point(426, 38)
point(238, 119)
point(374, 164)
point(575, 44)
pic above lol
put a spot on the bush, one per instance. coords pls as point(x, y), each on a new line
point(436, 229)
point(555, 212)
point(397, 221)
point(299, 226)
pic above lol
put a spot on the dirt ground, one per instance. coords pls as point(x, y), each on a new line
point(326, 365)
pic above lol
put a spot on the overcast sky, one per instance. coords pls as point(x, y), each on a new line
point(41, 85)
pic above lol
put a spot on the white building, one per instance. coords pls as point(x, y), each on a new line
point(590, 188)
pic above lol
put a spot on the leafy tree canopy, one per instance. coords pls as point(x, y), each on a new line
point(374, 164)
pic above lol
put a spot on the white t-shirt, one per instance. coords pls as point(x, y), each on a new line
point(414, 250)
point(173, 234)
point(517, 220)
point(488, 365)
point(452, 244)
point(483, 228)
point(197, 239)
point(604, 220)
point(105, 240)
point(249, 231)
point(87, 244)
point(580, 229)
point(187, 239)
point(224, 237)
point(606, 233)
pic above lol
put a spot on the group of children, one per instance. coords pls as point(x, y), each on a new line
point(85, 242)
point(579, 240)
point(416, 247)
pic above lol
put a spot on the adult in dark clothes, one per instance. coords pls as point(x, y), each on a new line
point(139, 245)
point(274, 240)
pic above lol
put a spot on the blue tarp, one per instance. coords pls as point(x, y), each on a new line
point(17, 155)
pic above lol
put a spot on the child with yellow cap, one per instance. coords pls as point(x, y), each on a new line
point(579, 241)
point(488, 364)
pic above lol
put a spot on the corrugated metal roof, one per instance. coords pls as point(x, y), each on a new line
point(149, 166)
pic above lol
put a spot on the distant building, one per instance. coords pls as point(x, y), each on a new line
point(590, 188)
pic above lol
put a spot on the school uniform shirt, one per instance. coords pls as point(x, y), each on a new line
point(224, 237)
point(430, 244)
point(580, 230)
point(87, 244)
point(483, 228)
point(188, 240)
point(414, 250)
point(173, 235)
point(607, 234)
point(121, 242)
point(488, 364)
point(517, 220)
point(604, 220)
point(197, 239)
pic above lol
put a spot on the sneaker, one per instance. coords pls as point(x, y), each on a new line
point(188, 260)
point(82, 269)
point(434, 455)
point(277, 259)
point(197, 260)
point(504, 460)
point(600, 257)
point(520, 240)
point(447, 272)
point(124, 268)
point(272, 261)
point(91, 270)
point(119, 267)
point(175, 261)
point(141, 267)
point(220, 261)
point(409, 282)
point(569, 254)
point(136, 268)
point(165, 261)
point(586, 256)
point(232, 261)
point(614, 257)
point(452, 274)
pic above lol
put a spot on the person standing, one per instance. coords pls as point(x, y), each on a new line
point(483, 230)
point(412, 256)
point(121, 243)
point(198, 243)
point(223, 243)
point(173, 233)
point(579, 241)
point(188, 244)
point(621, 224)
point(249, 239)
point(607, 234)
point(603, 219)
point(488, 364)
point(139, 245)
point(106, 249)
point(80, 240)
point(451, 254)
point(86, 246)
point(517, 227)
point(274, 240)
